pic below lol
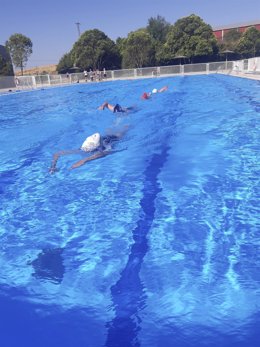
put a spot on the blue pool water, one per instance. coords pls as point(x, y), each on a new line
point(156, 245)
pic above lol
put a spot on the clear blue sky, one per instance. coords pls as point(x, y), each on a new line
point(50, 24)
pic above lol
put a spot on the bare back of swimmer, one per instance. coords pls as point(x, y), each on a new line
point(114, 108)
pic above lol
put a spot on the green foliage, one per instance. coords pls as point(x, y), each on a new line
point(120, 43)
point(232, 36)
point(6, 67)
point(65, 63)
point(190, 37)
point(158, 28)
point(157, 44)
point(230, 41)
point(249, 44)
point(138, 50)
point(20, 48)
point(95, 50)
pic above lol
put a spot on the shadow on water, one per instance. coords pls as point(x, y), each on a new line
point(128, 293)
point(49, 265)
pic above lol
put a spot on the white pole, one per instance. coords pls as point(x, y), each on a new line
point(33, 81)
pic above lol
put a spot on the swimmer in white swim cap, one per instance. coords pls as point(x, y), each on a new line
point(99, 146)
point(91, 143)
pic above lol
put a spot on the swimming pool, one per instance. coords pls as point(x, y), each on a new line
point(155, 245)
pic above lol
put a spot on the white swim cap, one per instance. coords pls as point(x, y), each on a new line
point(91, 143)
point(154, 90)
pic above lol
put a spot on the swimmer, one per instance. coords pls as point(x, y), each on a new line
point(98, 146)
point(146, 96)
point(114, 109)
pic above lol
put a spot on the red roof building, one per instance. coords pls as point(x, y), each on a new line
point(220, 32)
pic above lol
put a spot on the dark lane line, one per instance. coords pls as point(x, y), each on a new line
point(128, 293)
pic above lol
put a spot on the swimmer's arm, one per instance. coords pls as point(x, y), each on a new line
point(56, 156)
point(163, 89)
point(53, 168)
point(101, 107)
point(93, 157)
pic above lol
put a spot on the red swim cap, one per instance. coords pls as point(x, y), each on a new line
point(144, 96)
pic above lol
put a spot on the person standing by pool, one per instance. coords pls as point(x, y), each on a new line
point(91, 75)
point(98, 75)
point(97, 145)
point(86, 75)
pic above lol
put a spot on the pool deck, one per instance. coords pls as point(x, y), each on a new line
point(8, 91)
point(252, 76)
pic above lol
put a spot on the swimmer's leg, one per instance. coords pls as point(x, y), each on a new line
point(117, 133)
point(104, 105)
point(120, 133)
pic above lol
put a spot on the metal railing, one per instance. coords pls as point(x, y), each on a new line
point(10, 83)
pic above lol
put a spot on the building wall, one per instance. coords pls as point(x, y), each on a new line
point(220, 33)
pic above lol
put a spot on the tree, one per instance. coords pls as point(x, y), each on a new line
point(230, 42)
point(6, 67)
point(231, 39)
point(158, 28)
point(190, 37)
point(20, 48)
point(121, 43)
point(138, 50)
point(95, 50)
point(65, 63)
point(249, 44)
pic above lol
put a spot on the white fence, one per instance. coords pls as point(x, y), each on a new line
point(247, 66)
